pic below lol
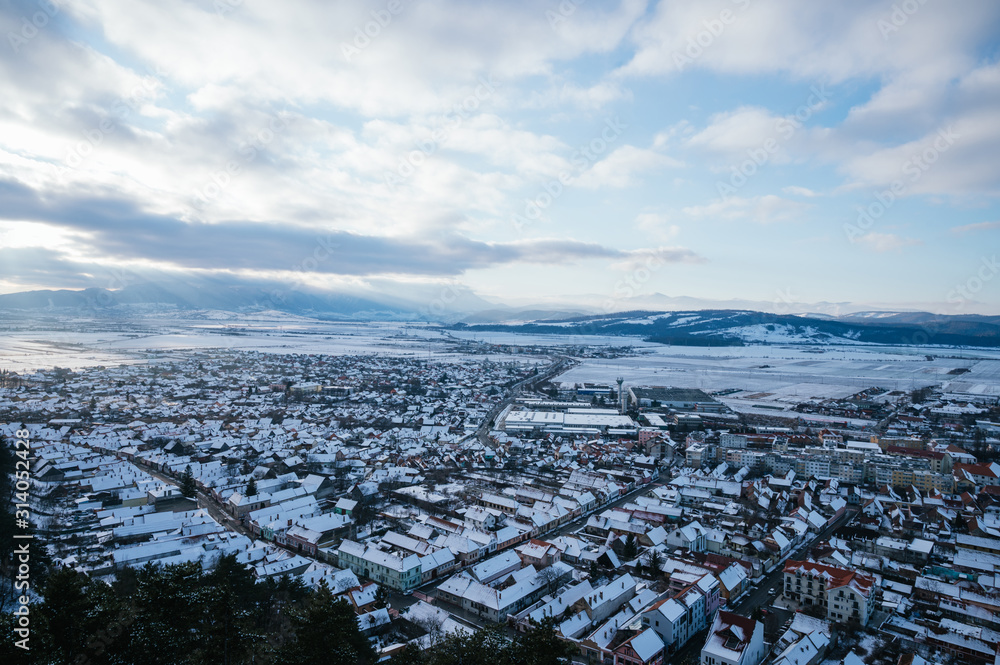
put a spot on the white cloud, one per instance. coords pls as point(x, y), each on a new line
point(795, 190)
point(886, 242)
point(760, 209)
point(981, 226)
point(623, 166)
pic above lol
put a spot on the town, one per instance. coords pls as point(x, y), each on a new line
point(458, 491)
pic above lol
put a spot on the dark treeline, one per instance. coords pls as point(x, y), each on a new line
point(180, 614)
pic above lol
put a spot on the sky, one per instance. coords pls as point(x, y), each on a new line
point(462, 154)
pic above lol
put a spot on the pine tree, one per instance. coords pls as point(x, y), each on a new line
point(541, 646)
point(188, 488)
point(654, 560)
point(325, 631)
point(630, 549)
point(252, 487)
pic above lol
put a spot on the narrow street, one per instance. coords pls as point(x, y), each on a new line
point(761, 595)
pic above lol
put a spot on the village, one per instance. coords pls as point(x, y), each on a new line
point(441, 494)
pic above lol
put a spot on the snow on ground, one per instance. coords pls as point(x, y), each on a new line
point(790, 372)
point(75, 349)
point(436, 619)
point(797, 373)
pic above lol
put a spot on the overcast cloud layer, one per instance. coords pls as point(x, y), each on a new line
point(763, 149)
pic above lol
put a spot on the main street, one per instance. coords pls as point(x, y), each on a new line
point(550, 372)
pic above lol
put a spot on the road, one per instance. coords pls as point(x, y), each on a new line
point(575, 524)
point(760, 595)
point(204, 500)
point(556, 368)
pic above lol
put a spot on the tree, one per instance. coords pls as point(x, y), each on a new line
point(654, 560)
point(252, 487)
point(364, 513)
point(541, 646)
point(408, 655)
point(381, 597)
point(959, 525)
point(188, 487)
point(548, 575)
point(489, 645)
point(630, 549)
point(325, 630)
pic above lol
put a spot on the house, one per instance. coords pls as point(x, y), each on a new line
point(734, 581)
point(644, 648)
point(734, 640)
point(496, 567)
point(669, 619)
point(538, 553)
point(398, 571)
point(691, 537)
point(847, 594)
point(345, 507)
point(520, 590)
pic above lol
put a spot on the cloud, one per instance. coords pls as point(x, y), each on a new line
point(657, 222)
point(656, 257)
point(760, 209)
point(623, 166)
point(812, 41)
point(795, 190)
point(729, 132)
point(117, 229)
point(970, 228)
point(886, 242)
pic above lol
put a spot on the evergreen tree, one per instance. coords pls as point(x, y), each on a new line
point(325, 630)
point(169, 607)
point(233, 616)
point(252, 487)
point(541, 646)
point(654, 560)
point(630, 549)
point(188, 487)
point(408, 655)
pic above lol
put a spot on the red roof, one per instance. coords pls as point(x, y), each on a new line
point(838, 576)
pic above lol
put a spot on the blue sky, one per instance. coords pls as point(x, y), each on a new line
point(800, 156)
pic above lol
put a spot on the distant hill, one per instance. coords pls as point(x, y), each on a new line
point(145, 297)
point(698, 327)
point(739, 327)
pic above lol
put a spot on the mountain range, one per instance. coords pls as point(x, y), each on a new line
point(702, 323)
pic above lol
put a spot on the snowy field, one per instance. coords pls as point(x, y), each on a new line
point(75, 349)
point(786, 375)
point(777, 375)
